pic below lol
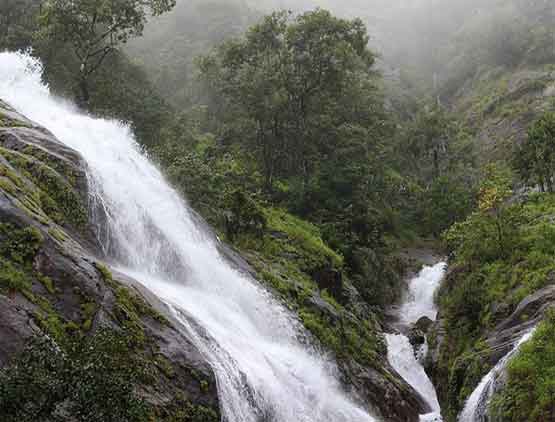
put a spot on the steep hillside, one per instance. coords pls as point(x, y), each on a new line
point(61, 299)
point(500, 104)
point(77, 338)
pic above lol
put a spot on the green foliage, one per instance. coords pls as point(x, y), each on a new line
point(188, 412)
point(243, 215)
point(487, 280)
point(529, 393)
point(19, 245)
point(118, 88)
point(55, 195)
point(437, 160)
point(448, 200)
point(303, 236)
point(289, 84)
point(12, 278)
point(535, 158)
point(465, 373)
point(18, 248)
point(95, 28)
point(490, 232)
point(17, 23)
point(92, 380)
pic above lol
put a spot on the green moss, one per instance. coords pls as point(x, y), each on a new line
point(304, 236)
point(285, 258)
point(60, 165)
point(188, 412)
point(57, 234)
point(8, 186)
point(105, 272)
point(47, 283)
point(57, 195)
point(6, 172)
point(19, 245)
point(127, 314)
point(88, 311)
point(164, 365)
point(12, 278)
point(6, 121)
point(50, 322)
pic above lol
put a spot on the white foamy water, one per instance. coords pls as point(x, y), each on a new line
point(422, 288)
point(476, 406)
point(400, 353)
point(263, 370)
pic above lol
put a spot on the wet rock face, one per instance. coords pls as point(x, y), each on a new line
point(527, 314)
point(52, 280)
point(416, 337)
point(395, 399)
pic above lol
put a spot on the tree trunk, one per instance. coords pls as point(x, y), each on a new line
point(84, 92)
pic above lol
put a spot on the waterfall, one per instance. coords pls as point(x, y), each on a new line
point(476, 407)
point(420, 301)
point(400, 353)
point(264, 368)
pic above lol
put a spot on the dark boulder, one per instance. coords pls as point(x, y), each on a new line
point(416, 337)
point(423, 324)
point(330, 279)
point(394, 399)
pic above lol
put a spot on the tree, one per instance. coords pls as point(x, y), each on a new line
point(17, 21)
point(535, 158)
point(95, 28)
point(491, 232)
point(289, 85)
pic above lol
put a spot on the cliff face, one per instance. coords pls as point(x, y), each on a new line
point(77, 338)
point(500, 104)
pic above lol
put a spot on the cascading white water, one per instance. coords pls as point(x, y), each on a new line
point(420, 301)
point(263, 369)
point(400, 353)
point(476, 406)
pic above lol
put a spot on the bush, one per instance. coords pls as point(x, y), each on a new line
point(530, 390)
point(92, 380)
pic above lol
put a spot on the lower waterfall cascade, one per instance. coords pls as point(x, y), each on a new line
point(265, 369)
point(476, 406)
point(401, 355)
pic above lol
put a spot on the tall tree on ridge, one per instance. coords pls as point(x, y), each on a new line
point(94, 28)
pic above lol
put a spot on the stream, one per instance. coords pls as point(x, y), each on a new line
point(401, 354)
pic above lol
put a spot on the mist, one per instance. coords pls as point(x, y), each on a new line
point(426, 44)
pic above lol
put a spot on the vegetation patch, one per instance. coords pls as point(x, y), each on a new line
point(529, 393)
point(60, 200)
point(501, 254)
point(92, 378)
point(130, 307)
